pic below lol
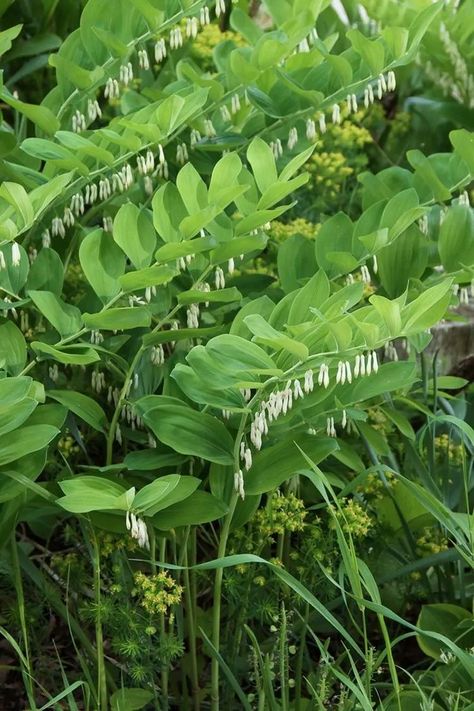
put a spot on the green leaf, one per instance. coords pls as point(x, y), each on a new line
point(71, 355)
point(274, 465)
point(83, 406)
point(12, 417)
point(12, 348)
point(41, 116)
point(191, 432)
point(266, 334)
point(13, 278)
point(194, 296)
point(126, 699)
point(91, 493)
point(7, 36)
point(150, 276)
point(260, 156)
point(390, 312)
point(102, 262)
point(153, 498)
point(456, 238)
point(65, 318)
point(445, 619)
point(25, 440)
point(427, 309)
point(46, 272)
point(120, 319)
point(134, 233)
point(198, 508)
point(371, 51)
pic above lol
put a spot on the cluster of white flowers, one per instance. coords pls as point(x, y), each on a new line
point(277, 148)
point(16, 256)
point(57, 227)
point(323, 376)
point(182, 153)
point(204, 17)
point(366, 364)
point(192, 27)
point(194, 138)
point(78, 121)
point(292, 138)
point(150, 292)
point(24, 321)
point(311, 134)
point(246, 455)
point(344, 372)
point(138, 530)
point(129, 415)
point(235, 104)
point(225, 113)
point(143, 59)
point(390, 352)
point(46, 238)
point(209, 129)
point(98, 381)
point(157, 355)
point(322, 123)
point(365, 274)
point(7, 300)
point(112, 89)
point(183, 262)
point(160, 50)
point(368, 96)
point(77, 204)
point(463, 199)
point(113, 395)
point(126, 73)
point(68, 217)
point(239, 484)
point(93, 109)
point(107, 223)
point(330, 427)
point(220, 7)
point(146, 163)
point(462, 89)
point(351, 101)
point(176, 38)
point(192, 316)
point(219, 278)
point(336, 114)
point(464, 295)
point(53, 371)
point(96, 337)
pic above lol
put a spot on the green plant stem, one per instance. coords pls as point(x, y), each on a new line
point(191, 623)
point(164, 668)
point(300, 659)
point(102, 702)
point(216, 610)
point(26, 673)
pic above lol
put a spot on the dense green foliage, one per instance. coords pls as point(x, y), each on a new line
point(230, 475)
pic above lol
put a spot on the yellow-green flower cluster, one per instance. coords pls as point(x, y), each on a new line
point(354, 519)
point(67, 446)
point(373, 487)
point(280, 231)
point(445, 448)
point(284, 513)
point(431, 542)
point(110, 544)
point(207, 39)
point(157, 593)
point(379, 421)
